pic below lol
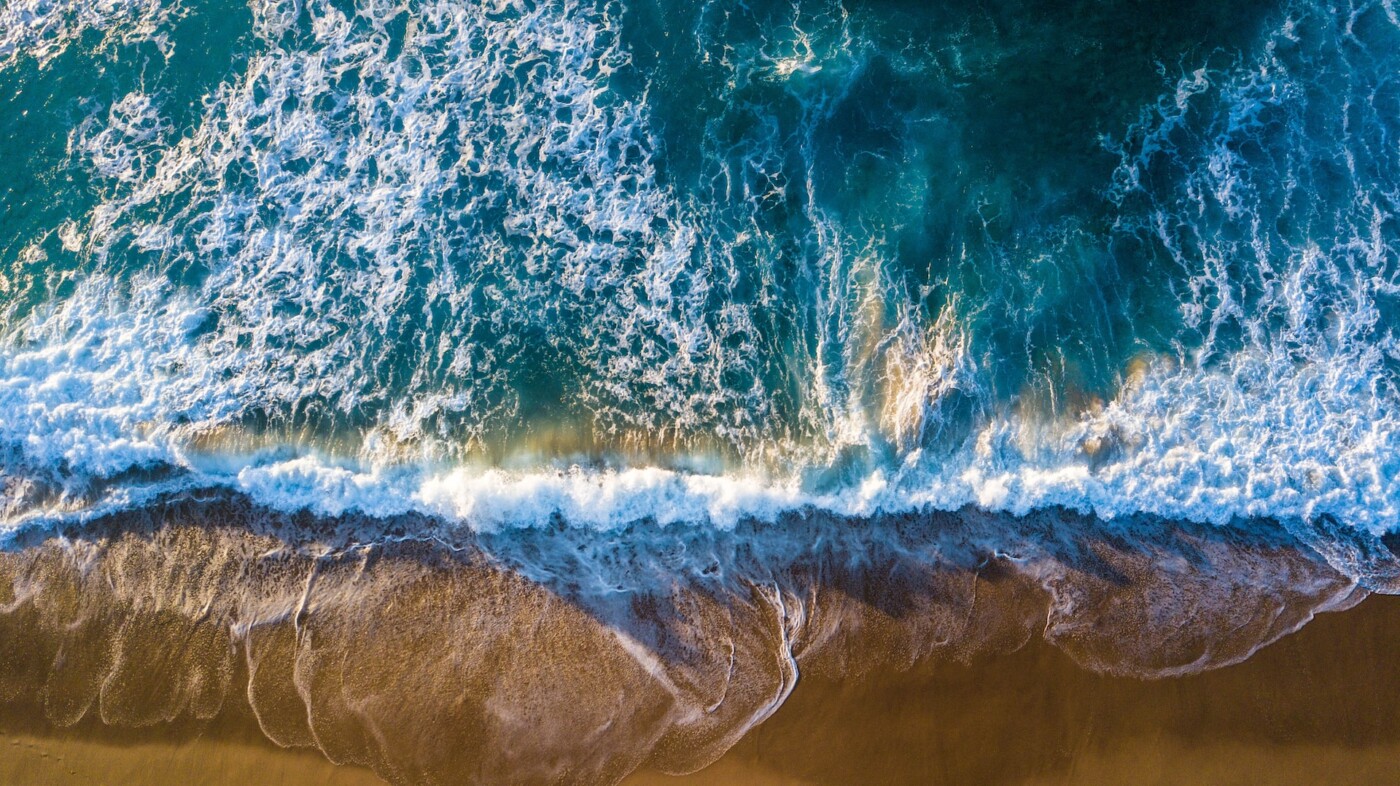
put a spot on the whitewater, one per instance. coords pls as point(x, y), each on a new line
point(475, 262)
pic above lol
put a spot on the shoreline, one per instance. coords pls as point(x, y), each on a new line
point(952, 723)
point(197, 629)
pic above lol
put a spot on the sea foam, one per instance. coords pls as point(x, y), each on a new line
point(321, 177)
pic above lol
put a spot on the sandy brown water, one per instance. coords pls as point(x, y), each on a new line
point(203, 644)
point(1315, 708)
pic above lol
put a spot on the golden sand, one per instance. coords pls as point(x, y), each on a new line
point(1318, 707)
point(177, 650)
point(27, 760)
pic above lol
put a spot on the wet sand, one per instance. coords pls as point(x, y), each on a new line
point(185, 644)
point(1317, 707)
point(29, 760)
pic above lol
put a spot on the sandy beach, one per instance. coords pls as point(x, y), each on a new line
point(1313, 708)
point(197, 645)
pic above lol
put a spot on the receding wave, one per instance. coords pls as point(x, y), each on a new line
point(435, 655)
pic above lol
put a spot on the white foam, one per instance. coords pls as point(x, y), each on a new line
point(86, 387)
point(44, 29)
point(1295, 420)
point(1200, 446)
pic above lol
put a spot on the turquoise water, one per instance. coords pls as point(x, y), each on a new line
point(643, 261)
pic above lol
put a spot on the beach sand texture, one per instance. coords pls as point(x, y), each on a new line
point(180, 648)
